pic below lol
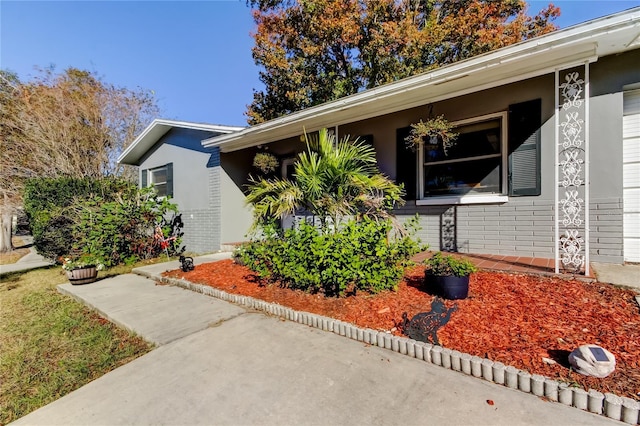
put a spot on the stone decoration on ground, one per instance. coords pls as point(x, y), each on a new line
point(592, 360)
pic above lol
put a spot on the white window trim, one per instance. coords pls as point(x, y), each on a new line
point(503, 197)
point(285, 164)
point(150, 181)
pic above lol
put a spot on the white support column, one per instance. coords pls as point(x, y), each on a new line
point(572, 179)
point(420, 165)
point(556, 180)
point(587, 206)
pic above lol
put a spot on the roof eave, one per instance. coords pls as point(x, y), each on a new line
point(574, 45)
point(157, 129)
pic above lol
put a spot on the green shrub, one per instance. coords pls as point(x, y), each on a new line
point(121, 231)
point(447, 265)
point(360, 256)
point(108, 218)
point(49, 205)
point(55, 234)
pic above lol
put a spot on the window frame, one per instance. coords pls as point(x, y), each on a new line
point(284, 166)
point(470, 198)
point(151, 181)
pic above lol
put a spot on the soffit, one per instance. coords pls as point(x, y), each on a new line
point(572, 46)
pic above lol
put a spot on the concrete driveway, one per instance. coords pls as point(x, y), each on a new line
point(219, 363)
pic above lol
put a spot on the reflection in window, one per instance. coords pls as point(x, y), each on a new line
point(288, 168)
point(158, 178)
point(472, 165)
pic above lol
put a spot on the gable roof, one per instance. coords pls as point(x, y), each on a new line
point(157, 129)
point(531, 58)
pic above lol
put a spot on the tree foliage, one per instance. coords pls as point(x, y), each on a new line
point(70, 124)
point(314, 51)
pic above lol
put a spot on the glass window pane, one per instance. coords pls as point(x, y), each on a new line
point(161, 188)
point(473, 140)
point(467, 177)
point(159, 175)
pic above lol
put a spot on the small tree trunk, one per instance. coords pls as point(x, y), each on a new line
point(5, 230)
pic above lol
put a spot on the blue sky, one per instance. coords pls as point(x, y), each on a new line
point(196, 56)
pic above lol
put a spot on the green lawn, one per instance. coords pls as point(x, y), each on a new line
point(51, 344)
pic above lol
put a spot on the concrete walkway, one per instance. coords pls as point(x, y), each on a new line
point(31, 261)
point(627, 275)
point(218, 363)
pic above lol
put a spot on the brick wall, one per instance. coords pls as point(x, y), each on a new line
point(199, 227)
point(521, 227)
point(202, 226)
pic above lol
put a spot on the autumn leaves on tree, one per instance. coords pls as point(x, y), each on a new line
point(70, 123)
point(315, 51)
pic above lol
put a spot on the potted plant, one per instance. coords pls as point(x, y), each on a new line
point(434, 131)
point(449, 275)
point(82, 269)
point(266, 162)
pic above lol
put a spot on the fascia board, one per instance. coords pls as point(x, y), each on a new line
point(197, 126)
point(134, 151)
point(158, 128)
point(529, 54)
point(387, 102)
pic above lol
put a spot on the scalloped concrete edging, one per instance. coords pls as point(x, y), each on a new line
point(612, 406)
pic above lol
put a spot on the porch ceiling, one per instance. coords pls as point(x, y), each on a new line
point(575, 45)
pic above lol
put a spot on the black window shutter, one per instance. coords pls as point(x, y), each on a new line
point(368, 139)
point(525, 122)
point(143, 178)
point(170, 179)
point(406, 163)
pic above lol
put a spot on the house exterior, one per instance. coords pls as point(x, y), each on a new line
point(547, 163)
point(171, 157)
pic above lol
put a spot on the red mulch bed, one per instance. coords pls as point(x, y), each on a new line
point(512, 318)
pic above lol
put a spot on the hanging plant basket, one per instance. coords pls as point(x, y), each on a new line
point(435, 130)
point(84, 275)
point(265, 162)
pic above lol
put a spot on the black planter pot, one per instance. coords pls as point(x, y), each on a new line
point(449, 287)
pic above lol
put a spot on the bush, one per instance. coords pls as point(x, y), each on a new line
point(49, 204)
point(55, 235)
point(442, 265)
point(360, 256)
point(108, 218)
point(122, 231)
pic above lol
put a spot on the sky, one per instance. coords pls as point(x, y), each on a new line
point(194, 55)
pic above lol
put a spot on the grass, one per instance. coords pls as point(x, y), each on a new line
point(51, 344)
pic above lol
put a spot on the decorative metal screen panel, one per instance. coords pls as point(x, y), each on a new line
point(572, 192)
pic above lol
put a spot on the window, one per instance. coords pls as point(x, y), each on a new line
point(288, 168)
point(161, 178)
point(472, 166)
point(158, 178)
point(483, 166)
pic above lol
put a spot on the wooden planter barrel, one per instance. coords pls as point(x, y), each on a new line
point(85, 275)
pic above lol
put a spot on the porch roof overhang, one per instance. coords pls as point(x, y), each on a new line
point(157, 129)
point(561, 49)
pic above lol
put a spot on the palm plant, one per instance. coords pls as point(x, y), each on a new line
point(331, 180)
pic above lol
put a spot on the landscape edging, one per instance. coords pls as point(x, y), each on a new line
point(609, 405)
